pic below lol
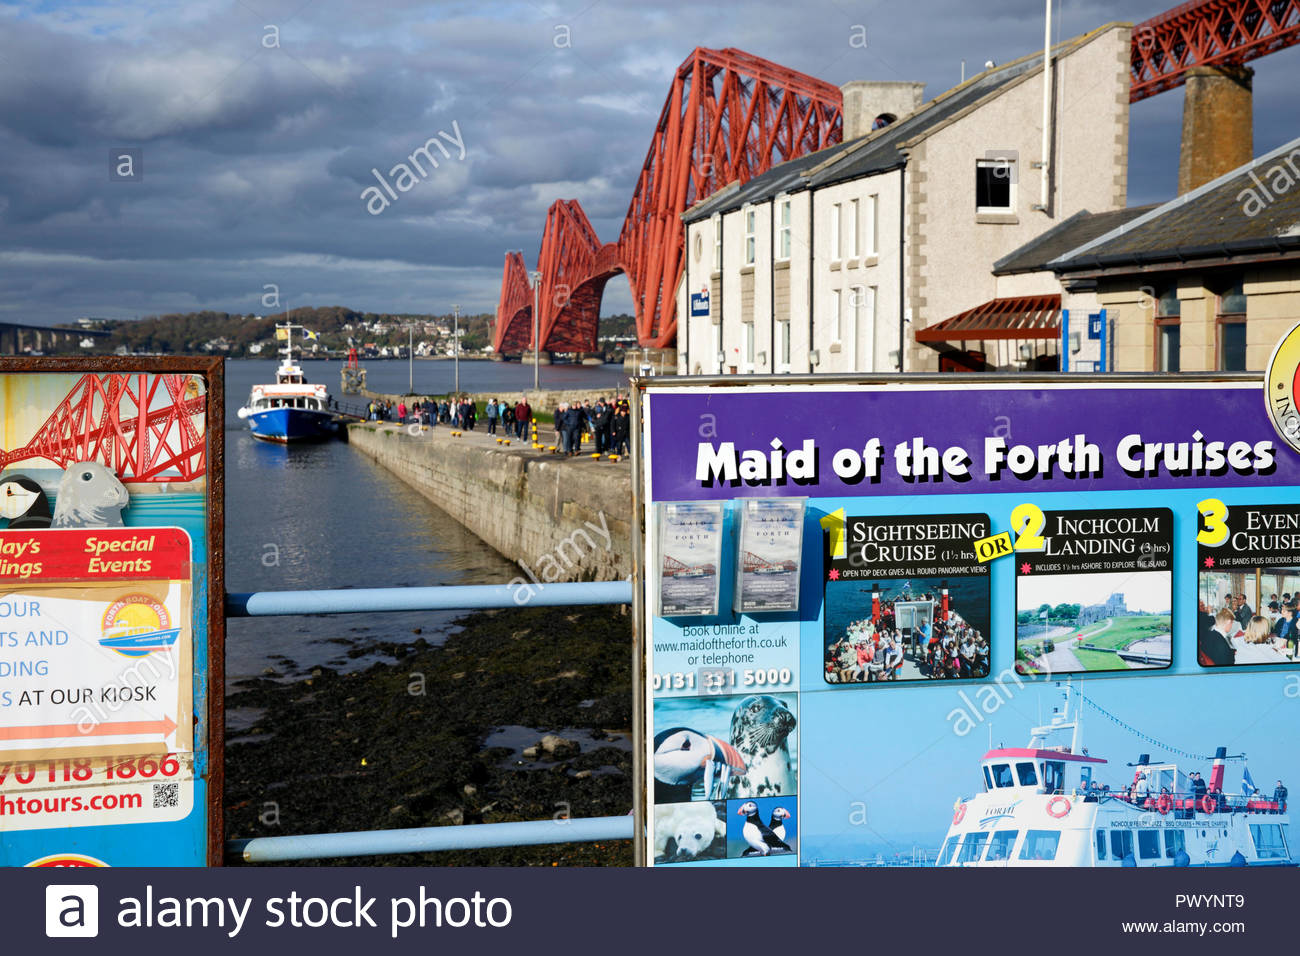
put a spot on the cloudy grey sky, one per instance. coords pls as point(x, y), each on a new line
point(259, 122)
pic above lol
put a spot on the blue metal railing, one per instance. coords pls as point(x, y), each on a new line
point(447, 597)
point(320, 846)
point(480, 836)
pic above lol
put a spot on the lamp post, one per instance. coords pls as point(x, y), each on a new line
point(410, 360)
point(455, 334)
point(537, 343)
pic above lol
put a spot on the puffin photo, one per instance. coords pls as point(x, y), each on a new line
point(684, 757)
point(762, 841)
point(24, 503)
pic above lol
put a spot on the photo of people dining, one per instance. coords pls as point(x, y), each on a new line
point(1249, 617)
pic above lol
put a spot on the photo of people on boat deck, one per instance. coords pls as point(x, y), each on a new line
point(921, 629)
point(1248, 617)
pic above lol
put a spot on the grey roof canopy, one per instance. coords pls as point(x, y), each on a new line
point(1253, 209)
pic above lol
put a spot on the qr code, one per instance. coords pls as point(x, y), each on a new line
point(166, 795)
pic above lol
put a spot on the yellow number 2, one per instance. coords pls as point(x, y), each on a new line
point(1028, 521)
point(1213, 516)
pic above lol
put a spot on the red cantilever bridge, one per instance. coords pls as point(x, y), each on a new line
point(146, 428)
point(731, 116)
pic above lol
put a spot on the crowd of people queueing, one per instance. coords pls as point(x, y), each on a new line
point(461, 414)
point(1235, 634)
point(606, 422)
point(874, 650)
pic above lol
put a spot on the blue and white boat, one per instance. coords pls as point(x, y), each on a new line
point(291, 409)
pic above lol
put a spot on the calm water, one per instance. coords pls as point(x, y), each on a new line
point(438, 376)
point(326, 516)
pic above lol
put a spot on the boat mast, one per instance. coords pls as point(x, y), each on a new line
point(1061, 719)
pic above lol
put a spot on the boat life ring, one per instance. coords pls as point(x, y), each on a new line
point(1208, 804)
point(1052, 810)
point(1165, 803)
point(959, 814)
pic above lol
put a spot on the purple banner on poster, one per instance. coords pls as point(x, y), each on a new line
point(898, 440)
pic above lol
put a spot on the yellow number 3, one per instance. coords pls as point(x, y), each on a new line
point(1213, 515)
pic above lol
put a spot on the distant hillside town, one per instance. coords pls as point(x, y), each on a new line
point(335, 329)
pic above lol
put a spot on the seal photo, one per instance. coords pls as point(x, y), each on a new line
point(760, 731)
point(90, 496)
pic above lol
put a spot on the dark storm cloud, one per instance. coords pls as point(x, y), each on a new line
point(260, 122)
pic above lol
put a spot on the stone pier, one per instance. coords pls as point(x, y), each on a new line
point(559, 519)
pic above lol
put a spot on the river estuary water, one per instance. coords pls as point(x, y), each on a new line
point(325, 516)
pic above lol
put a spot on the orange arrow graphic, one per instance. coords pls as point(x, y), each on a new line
point(119, 729)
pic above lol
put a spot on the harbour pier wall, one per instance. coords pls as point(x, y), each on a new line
point(559, 519)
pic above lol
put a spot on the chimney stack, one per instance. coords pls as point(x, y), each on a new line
point(866, 101)
point(1218, 127)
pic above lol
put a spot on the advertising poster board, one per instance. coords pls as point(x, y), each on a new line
point(111, 612)
point(1043, 621)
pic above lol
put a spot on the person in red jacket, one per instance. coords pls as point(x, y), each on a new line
point(523, 413)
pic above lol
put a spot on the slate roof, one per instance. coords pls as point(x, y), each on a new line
point(879, 150)
point(1070, 234)
point(1239, 213)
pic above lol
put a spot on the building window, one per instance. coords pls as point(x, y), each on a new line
point(864, 306)
point(783, 234)
point(749, 345)
point(785, 346)
point(1230, 322)
point(995, 186)
point(1168, 329)
point(835, 232)
point(717, 243)
point(851, 239)
point(750, 217)
point(869, 226)
point(837, 311)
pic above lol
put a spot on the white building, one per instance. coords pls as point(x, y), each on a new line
point(833, 262)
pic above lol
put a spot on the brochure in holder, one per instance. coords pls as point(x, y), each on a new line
point(690, 558)
point(771, 544)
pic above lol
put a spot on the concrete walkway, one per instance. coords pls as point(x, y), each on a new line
point(1061, 661)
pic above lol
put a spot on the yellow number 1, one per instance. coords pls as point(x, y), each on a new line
point(833, 523)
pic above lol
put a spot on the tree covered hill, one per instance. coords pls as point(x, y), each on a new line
point(243, 334)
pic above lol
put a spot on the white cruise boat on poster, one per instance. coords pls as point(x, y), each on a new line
point(1054, 804)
